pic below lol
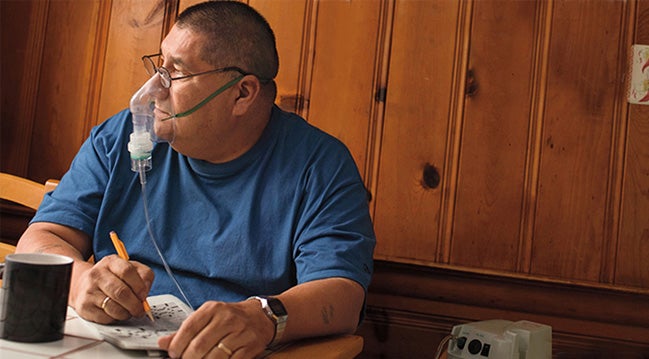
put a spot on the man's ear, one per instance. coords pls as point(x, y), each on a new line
point(249, 91)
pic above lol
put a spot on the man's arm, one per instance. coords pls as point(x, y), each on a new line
point(43, 237)
point(317, 308)
point(322, 307)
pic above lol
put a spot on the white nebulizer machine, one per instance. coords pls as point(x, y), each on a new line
point(500, 339)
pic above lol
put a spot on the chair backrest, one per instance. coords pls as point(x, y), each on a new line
point(21, 190)
point(24, 192)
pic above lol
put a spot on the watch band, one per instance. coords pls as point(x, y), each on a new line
point(275, 311)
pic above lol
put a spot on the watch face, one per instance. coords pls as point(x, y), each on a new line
point(276, 306)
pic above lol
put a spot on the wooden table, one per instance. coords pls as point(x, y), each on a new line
point(82, 342)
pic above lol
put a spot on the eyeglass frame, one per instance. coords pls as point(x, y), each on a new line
point(166, 78)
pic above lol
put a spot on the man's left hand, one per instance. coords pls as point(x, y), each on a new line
point(221, 330)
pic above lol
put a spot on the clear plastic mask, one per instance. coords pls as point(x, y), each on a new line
point(150, 99)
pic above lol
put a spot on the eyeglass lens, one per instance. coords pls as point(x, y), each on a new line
point(152, 69)
point(165, 78)
point(149, 65)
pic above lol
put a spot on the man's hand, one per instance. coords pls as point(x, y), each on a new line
point(221, 330)
point(125, 283)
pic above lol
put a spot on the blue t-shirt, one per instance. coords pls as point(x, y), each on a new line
point(292, 209)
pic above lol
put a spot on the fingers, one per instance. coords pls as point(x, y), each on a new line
point(215, 330)
point(144, 272)
point(111, 310)
point(186, 341)
point(142, 280)
point(220, 350)
point(125, 284)
point(164, 342)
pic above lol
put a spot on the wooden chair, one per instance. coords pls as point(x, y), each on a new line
point(24, 192)
point(29, 194)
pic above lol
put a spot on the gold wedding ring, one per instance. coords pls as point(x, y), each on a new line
point(103, 304)
point(224, 348)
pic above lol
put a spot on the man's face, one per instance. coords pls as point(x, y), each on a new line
point(210, 125)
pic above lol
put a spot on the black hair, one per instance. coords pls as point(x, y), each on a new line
point(237, 35)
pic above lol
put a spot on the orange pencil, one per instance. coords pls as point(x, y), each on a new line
point(121, 252)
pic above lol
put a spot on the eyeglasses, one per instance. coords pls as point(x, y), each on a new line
point(151, 69)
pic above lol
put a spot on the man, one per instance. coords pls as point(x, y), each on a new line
point(245, 200)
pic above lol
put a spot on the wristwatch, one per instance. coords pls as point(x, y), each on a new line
point(275, 311)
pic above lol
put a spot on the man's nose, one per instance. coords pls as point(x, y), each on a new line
point(158, 91)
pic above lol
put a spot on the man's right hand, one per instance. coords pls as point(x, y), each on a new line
point(126, 284)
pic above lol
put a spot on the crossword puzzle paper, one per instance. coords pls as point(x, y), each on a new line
point(142, 334)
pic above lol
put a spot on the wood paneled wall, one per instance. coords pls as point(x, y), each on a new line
point(509, 176)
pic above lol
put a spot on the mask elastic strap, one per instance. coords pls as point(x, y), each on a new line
point(206, 100)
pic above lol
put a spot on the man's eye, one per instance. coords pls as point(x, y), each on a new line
point(176, 73)
point(172, 70)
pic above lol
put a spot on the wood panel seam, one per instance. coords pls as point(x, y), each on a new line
point(615, 187)
point(31, 79)
point(454, 131)
point(535, 135)
point(377, 108)
point(97, 67)
point(307, 59)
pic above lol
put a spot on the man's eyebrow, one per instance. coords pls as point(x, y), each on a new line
point(174, 60)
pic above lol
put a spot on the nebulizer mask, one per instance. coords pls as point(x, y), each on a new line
point(151, 97)
point(154, 96)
